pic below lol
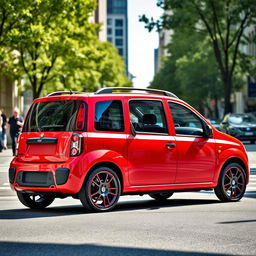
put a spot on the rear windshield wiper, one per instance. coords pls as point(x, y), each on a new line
point(54, 126)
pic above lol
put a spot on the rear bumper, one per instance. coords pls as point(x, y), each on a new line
point(65, 178)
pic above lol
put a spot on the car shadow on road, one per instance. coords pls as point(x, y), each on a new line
point(155, 205)
point(237, 221)
point(25, 248)
point(121, 206)
point(250, 194)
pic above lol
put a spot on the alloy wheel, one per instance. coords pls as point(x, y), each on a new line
point(103, 190)
point(234, 183)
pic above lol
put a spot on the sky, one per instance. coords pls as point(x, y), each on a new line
point(141, 43)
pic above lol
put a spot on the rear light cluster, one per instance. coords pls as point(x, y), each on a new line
point(80, 119)
point(17, 145)
point(76, 144)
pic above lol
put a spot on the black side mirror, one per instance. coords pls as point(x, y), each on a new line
point(207, 131)
point(224, 123)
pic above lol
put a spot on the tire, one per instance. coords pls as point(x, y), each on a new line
point(35, 201)
point(161, 196)
point(101, 190)
point(231, 184)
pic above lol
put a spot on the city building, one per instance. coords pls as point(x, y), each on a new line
point(245, 99)
point(117, 27)
point(100, 17)
point(9, 95)
point(165, 37)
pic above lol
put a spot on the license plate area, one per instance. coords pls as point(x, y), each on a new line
point(41, 149)
point(248, 133)
point(35, 179)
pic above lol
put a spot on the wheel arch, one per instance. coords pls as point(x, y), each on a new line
point(239, 161)
point(110, 165)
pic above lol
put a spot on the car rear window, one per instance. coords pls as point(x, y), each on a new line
point(58, 115)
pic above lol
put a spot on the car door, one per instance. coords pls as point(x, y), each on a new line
point(151, 151)
point(196, 152)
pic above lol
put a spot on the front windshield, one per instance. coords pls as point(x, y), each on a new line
point(239, 119)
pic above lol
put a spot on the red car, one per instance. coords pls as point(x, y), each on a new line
point(97, 147)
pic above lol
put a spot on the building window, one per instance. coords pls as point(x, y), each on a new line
point(119, 42)
point(119, 32)
point(109, 31)
point(121, 51)
point(110, 39)
point(109, 21)
point(119, 23)
point(119, 4)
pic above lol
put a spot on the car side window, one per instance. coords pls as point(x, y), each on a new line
point(148, 116)
point(185, 121)
point(109, 116)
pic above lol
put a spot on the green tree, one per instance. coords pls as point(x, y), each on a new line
point(98, 65)
point(190, 71)
point(11, 13)
point(224, 23)
point(58, 46)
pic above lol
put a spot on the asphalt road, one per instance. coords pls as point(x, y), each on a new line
point(187, 224)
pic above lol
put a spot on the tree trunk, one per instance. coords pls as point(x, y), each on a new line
point(227, 95)
point(34, 90)
point(216, 110)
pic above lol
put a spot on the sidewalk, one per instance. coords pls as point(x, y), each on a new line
point(5, 159)
point(252, 159)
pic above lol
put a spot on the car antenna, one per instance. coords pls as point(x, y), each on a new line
point(71, 92)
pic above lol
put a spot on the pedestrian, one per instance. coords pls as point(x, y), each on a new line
point(15, 122)
point(4, 127)
point(1, 122)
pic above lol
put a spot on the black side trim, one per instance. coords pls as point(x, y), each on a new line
point(44, 140)
point(12, 172)
point(61, 175)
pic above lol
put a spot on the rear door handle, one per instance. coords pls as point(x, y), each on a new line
point(170, 145)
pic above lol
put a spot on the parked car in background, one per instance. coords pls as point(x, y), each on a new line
point(215, 122)
point(241, 126)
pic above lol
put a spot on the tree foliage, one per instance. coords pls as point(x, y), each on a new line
point(190, 71)
point(223, 22)
point(58, 46)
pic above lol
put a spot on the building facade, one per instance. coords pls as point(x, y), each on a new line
point(9, 95)
point(117, 27)
point(245, 99)
point(100, 17)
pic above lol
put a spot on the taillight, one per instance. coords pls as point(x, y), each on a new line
point(17, 145)
point(80, 119)
point(76, 145)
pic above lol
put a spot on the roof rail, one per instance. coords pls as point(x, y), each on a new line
point(63, 92)
point(111, 89)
